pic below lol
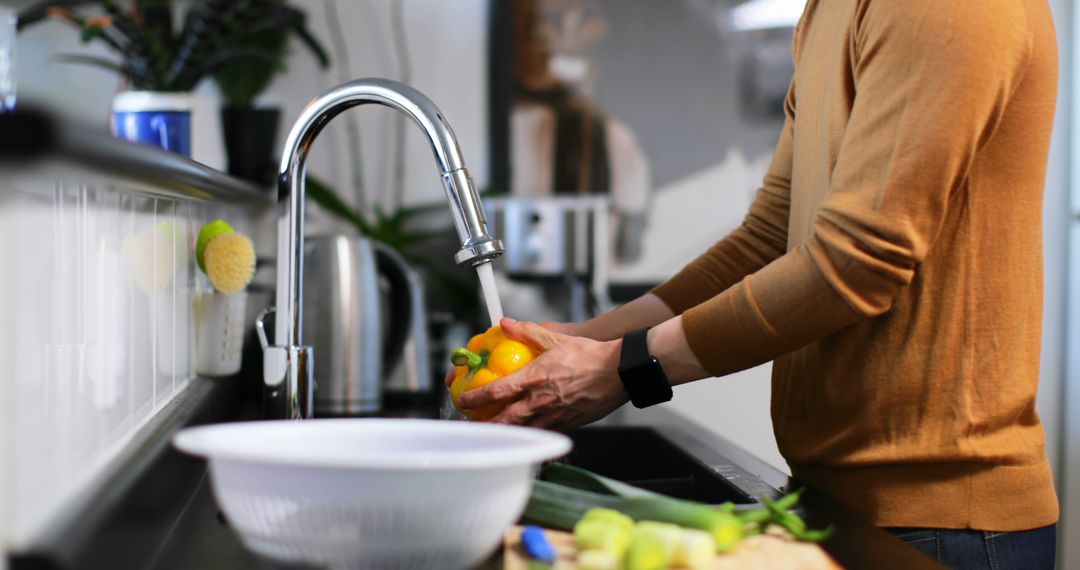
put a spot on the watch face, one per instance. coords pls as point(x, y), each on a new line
point(646, 383)
point(641, 375)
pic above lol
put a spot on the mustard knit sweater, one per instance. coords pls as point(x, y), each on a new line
point(891, 263)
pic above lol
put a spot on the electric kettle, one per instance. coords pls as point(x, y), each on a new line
point(359, 327)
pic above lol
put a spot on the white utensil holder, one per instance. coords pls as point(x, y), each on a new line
point(219, 332)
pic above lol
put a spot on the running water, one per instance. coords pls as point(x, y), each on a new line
point(491, 293)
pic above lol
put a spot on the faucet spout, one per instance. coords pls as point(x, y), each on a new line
point(292, 381)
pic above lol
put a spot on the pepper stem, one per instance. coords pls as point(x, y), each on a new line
point(466, 357)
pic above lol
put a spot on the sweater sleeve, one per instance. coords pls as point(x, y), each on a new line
point(760, 239)
point(931, 80)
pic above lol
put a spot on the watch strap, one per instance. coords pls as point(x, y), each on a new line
point(635, 348)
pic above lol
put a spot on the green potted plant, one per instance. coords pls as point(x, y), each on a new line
point(251, 131)
point(161, 63)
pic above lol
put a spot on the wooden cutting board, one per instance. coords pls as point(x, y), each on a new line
point(766, 551)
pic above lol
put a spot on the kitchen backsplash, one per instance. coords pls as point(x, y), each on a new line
point(99, 281)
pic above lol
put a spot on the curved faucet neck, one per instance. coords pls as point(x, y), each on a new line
point(399, 96)
point(468, 213)
point(292, 173)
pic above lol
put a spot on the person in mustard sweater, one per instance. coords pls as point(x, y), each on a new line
point(890, 267)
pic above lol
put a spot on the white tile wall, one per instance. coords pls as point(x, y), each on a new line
point(96, 330)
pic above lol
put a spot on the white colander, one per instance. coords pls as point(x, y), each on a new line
point(372, 493)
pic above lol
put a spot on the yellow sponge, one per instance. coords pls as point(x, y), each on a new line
point(230, 262)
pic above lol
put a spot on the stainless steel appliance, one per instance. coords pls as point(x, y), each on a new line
point(559, 242)
point(359, 327)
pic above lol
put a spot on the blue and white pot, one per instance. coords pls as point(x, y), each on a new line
point(154, 118)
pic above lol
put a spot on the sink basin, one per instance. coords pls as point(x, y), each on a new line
point(678, 466)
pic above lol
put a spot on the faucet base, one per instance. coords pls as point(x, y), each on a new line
point(289, 382)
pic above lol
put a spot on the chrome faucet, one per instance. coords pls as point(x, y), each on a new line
point(289, 386)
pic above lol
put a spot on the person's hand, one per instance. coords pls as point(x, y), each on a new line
point(569, 329)
point(574, 382)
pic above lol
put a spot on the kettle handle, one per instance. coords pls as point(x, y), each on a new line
point(391, 265)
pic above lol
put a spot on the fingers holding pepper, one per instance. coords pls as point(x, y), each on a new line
point(573, 381)
point(502, 351)
point(488, 357)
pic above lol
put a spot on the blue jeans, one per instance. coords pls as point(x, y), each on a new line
point(1027, 550)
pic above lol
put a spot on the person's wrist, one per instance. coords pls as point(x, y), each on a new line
point(568, 329)
point(668, 344)
point(612, 351)
point(597, 328)
point(581, 329)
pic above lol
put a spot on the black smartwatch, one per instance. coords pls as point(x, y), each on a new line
point(642, 376)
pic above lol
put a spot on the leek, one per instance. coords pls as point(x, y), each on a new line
point(647, 553)
point(601, 535)
point(610, 516)
point(567, 495)
point(597, 560)
point(695, 549)
point(555, 506)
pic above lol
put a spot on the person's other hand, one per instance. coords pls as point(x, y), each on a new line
point(574, 382)
point(570, 329)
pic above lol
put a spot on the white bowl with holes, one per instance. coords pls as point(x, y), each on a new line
point(372, 493)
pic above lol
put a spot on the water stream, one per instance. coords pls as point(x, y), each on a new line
point(490, 292)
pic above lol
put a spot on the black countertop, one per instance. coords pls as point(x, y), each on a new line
point(158, 511)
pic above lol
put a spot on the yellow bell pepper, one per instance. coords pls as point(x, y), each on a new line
point(488, 357)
